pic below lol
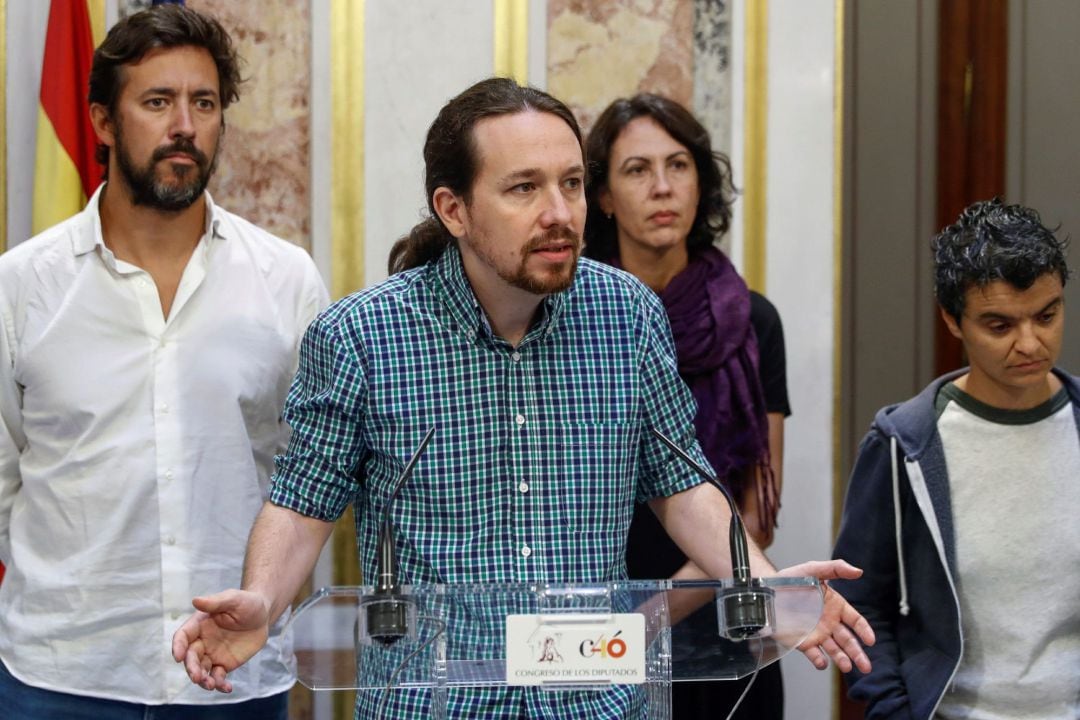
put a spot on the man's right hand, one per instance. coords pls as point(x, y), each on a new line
point(228, 630)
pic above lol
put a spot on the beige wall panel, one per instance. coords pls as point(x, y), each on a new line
point(600, 50)
point(889, 195)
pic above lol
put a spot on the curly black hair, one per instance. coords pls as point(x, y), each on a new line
point(993, 241)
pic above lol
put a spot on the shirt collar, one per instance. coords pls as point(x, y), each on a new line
point(452, 286)
point(214, 222)
point(83, 243)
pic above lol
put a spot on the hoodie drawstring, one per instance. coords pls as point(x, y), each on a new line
point(904, 608)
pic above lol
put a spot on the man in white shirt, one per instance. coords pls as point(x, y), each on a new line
point(146, 347)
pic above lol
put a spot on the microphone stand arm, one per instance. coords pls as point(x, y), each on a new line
point(745, 610)
point(740, 551)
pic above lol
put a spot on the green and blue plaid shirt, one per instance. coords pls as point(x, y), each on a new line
point(539, 451)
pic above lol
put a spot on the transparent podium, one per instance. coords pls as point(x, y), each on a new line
point(615, 646)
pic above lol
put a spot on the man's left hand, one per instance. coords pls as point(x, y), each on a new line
point(841, 631)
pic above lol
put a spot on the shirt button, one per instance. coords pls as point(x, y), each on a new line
point(165, 408)
point(175, 615)
point(523, 486)
point(168, 475)
point(170, 540)
point(516, 357)
point(520, 419)
point(526, 551)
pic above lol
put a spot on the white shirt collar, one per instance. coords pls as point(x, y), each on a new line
point(83, 243)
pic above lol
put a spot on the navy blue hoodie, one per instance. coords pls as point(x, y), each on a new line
point(899, 488)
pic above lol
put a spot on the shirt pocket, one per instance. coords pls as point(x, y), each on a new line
point(596, 476)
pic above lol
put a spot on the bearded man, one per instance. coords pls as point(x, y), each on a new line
point(146, 347)
point(542, 376)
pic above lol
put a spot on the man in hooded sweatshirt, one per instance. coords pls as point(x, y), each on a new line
point(962, 507)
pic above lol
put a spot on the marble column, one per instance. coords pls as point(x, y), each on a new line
point(263, 171)
point(264, 168)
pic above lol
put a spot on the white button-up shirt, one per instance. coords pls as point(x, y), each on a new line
point(135, 450)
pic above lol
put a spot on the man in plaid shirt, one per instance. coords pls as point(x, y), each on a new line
point(541, 374)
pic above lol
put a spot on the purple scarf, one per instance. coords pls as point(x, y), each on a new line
point(708, 305)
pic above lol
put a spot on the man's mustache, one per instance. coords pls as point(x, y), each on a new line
point(185, 147)
point(551, 236)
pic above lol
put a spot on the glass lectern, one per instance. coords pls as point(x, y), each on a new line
point(631, 637)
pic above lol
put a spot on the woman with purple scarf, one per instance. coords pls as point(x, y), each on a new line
point(658, 197)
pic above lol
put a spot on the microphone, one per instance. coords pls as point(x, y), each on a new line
point(387, 612)
point(746, 608)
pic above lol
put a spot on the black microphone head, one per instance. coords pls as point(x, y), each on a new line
point(386, 562)
point(388, 619)
point(745, 612)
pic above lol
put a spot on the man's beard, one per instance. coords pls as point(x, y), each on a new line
point(546, 283)
point(147, 190)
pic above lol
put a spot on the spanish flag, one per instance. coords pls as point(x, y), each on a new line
point(65, 172)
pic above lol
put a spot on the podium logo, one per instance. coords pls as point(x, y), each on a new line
point(603, 647)
point(549, 651)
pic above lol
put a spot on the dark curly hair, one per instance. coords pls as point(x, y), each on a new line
point(713, 214)
point(160, 26)
point(451, 158)
point(993, 241)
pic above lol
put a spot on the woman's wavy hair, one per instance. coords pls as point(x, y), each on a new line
point(713, 216)
point(451, 157)
point(160, 26)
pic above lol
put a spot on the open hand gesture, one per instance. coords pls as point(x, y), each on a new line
point(228, 630)
point(841, 631)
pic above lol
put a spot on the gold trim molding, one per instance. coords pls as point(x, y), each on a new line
point(96, 11)
point(840, 21)
point(838, 257)
point(347, 146)
point(754, 154)
point(511, 41)
point(838, 120)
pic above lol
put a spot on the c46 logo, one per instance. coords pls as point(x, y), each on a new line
point(602, 646)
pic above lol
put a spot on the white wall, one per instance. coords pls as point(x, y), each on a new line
point(418, 55)
point(800, 279)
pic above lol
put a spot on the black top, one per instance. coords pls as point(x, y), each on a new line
point(772, 363)
point(650, 553)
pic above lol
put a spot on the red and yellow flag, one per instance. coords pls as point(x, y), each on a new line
point(65, 172)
